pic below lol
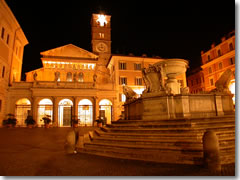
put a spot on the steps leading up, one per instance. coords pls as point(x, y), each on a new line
point(167, 141)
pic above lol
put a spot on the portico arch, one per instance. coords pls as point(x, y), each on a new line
point(105, 109)
point(65, 112)
point(85, 112)
point(22, 110)
point(45, 107)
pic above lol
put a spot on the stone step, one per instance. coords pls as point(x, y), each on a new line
point(179, 120)
point(159, 155)
point(216, 128)
point(177, 124)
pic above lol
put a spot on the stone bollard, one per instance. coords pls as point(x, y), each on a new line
point(211, 152)
point(71, 141)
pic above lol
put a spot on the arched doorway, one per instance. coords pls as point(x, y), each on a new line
point(65, 112)
point(85, 112)
point(105, 109)
point(22, 110)
point(45, 107)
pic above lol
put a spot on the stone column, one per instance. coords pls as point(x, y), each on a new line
point(55, 112)
point(34, 109)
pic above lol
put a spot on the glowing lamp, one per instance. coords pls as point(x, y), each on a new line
point(102, 19)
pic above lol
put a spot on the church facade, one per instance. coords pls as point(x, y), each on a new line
point(76, 82)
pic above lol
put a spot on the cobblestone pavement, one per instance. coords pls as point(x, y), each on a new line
point(40, 152)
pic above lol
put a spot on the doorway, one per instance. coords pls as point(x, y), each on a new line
point(65, 112)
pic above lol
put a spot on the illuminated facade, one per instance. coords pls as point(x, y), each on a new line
point(217, 60)
point(12, 42)
point(76, 82)
point(214, 62)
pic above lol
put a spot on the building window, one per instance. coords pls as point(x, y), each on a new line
point(122, 98)
point(137, 66)
point(122, 66)
point(3, 71)
point(220, 65)
point(211, 82)
point(192, 82)
point(69, 76)
point(231, 46)
point(0, 105)
point(210, 70)
point(232, 61)
point(7, 41)
point(219, 53)
point(2, 34)
point(197, 81)
point(138, 81)
point(209, 58)
point(123, 81)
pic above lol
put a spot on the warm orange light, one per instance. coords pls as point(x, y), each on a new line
point(232, 89)
point(102, 19)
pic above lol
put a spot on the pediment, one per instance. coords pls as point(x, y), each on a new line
point(69, 50)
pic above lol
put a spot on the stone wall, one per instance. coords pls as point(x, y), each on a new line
point(179, 106)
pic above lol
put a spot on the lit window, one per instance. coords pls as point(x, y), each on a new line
point(220, 65)
point(137, 66)
point(210, 70)
point(231, 46)
point(123, 81)
point(122, 98)
point(219, 53)
point(101, 35)
point(211, 82)
point(2, 34)
point(138, 81)
point(3, 71)
point(80, 77)
point(69, 76)
point(122, 66)
point(7, 41)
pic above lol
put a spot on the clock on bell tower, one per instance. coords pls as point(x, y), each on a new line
point(101, 34)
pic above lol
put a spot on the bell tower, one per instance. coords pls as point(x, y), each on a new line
point(101, 36)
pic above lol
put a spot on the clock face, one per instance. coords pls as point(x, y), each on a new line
point(101, 47)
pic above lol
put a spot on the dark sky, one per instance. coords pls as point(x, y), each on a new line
point(169, 29)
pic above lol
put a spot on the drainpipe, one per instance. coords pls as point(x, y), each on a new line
point(12, 55)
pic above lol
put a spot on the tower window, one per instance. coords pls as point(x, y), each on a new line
point(101, 35)
point(137, 66)
point(138, 81)
point(122, 66)
point(122, 81)
point(2, 34)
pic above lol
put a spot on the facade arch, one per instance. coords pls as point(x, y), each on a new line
point(22, 110)
point(105, 110)
point(65, 112)
point(85, 112)
point(45, 107)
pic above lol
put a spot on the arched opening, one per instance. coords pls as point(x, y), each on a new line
point(65, 112)
point(85, 112)
point(45, 107)
point(22, 110)
point(105, 110)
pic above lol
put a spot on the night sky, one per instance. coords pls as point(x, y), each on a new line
point(169, 29)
